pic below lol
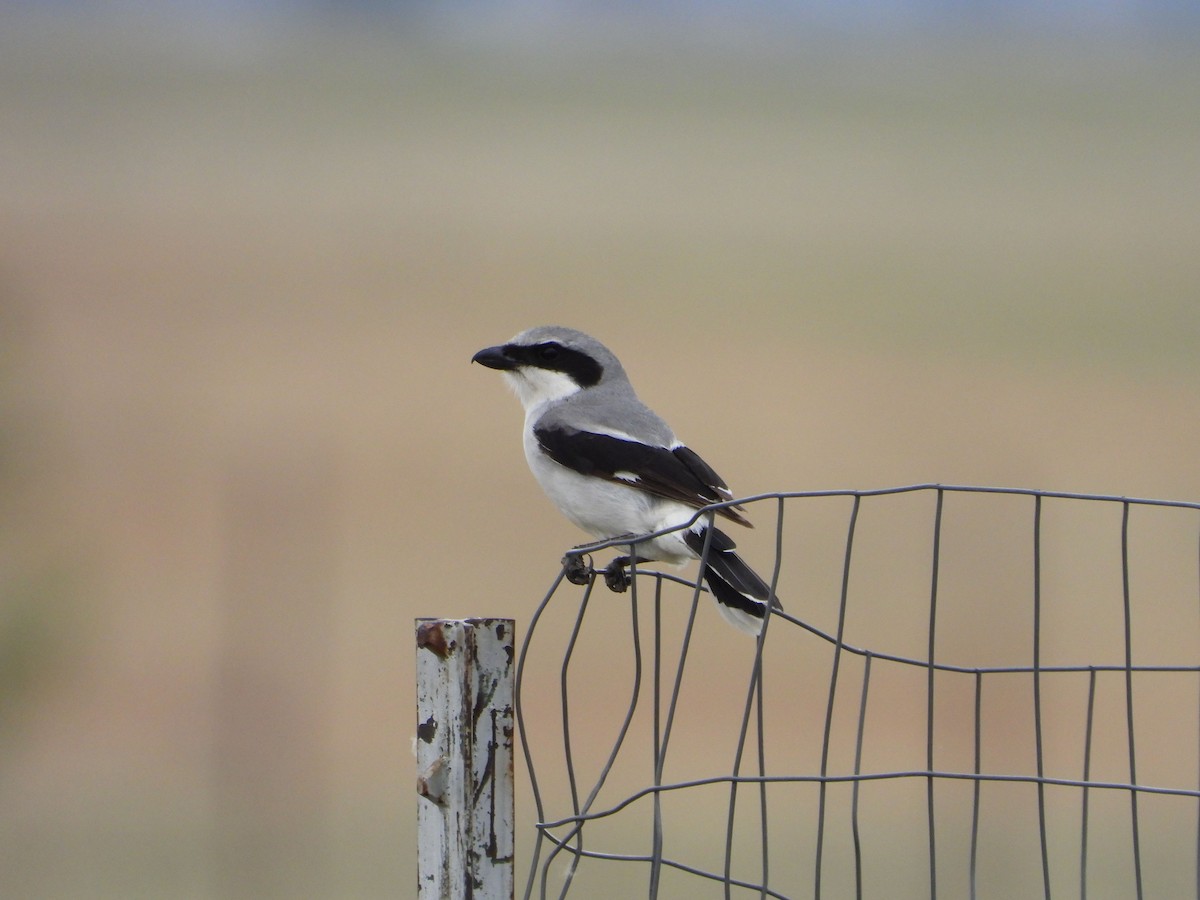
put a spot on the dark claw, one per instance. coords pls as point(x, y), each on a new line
point(576, 569)
point(616, 577)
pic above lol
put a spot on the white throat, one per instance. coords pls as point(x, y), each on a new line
point(537, 387)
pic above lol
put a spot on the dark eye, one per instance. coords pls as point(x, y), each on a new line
point(547, 352)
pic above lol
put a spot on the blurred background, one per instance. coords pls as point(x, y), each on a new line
point(248, 249)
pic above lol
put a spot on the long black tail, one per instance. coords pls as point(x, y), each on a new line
point(740, 594)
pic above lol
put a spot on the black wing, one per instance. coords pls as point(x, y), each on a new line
point(677, 474)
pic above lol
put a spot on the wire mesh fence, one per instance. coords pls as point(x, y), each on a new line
point(971, 692)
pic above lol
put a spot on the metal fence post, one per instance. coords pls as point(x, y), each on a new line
point(464, 746)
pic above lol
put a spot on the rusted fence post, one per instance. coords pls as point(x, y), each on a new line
point(464, 759)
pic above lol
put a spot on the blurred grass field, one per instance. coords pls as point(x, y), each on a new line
point(242, 274)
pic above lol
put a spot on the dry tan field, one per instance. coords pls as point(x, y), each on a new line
point(241, 278)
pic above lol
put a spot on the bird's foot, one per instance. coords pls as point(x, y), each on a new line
point(616, 577)
point(577, 569)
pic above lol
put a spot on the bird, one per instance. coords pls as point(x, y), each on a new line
point(615, 469)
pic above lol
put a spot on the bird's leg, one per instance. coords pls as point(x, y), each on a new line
point(615, 575)
point(577, 571)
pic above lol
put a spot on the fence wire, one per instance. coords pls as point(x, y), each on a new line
point(980, 692)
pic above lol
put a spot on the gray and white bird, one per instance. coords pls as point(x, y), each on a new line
point(616, 469)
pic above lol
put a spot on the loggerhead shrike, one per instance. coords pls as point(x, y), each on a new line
point(616, 469)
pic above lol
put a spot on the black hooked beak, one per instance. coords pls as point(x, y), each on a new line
point(495, 358)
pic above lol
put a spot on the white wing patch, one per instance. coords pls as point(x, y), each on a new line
point(623, 436)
